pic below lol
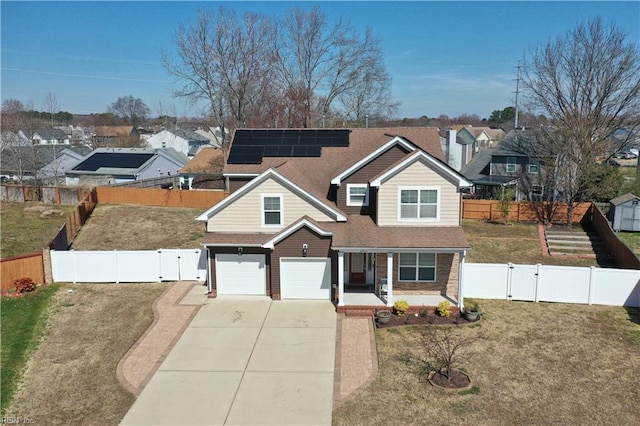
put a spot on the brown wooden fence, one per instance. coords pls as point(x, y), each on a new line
point(28, 265)
point(521, 211)
point(45, 194)
point(159, 197)
point(624, 256)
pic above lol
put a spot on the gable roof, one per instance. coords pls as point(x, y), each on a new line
point(473, 169)
point(188, 135)
point(113, 131)
point(319, 171)
point(424, 158)
point(124, 161)
point(305, 221)
point(46, 134)
point(397, 140)
point(208, 160)
point(271, 173)
point(623, 199)
point(27, 158)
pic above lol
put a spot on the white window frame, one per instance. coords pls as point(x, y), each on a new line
point(365, 201)
point(417, 268)
point(263, 211)
point(418, 218)
point(534, 162)
point(511, 165)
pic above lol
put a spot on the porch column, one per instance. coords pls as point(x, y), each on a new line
point(460, 280)
point(340, 279)
point(389, 279)
point(209, 278)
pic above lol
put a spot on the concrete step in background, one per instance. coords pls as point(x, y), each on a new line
point(577, 241)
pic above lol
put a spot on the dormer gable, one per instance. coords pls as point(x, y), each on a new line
point(396, 140)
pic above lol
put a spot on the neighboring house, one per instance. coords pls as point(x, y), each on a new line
point(359, 217)
point(460, 148)
point(107, 166)
point(508, 165)
point(36, 161)
point(65, 159)
point(112, 135)
point(485, 137)
point(624, 213)
point(45, 136)
point(182, 140)
point(204, 171)
point(214, 136)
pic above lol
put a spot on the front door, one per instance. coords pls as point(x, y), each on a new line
point(357, 268)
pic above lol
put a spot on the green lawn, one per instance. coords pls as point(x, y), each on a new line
point(29, 227)
point(23, 322)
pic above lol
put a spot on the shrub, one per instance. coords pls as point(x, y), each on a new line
point(444, 308)
point(24, 285)
point(471, 305)
point(424, 312)
point(401, 307)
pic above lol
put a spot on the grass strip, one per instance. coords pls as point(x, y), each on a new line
point(23, 322)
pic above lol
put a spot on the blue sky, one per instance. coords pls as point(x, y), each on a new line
point(444, 57)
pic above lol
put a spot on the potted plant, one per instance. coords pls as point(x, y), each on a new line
point(471, 310)
point(383, 317)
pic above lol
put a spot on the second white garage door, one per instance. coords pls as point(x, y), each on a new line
point(240, 275)
point(305, 278)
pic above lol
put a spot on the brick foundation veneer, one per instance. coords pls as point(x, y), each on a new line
point(366, 311)
point(447, 271)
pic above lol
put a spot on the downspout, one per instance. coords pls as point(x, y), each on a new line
point(461, 280)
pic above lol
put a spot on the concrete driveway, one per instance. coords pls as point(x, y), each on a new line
point(246, 361)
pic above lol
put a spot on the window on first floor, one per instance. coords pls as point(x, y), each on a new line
point(511, 164)
point(357, 194)
point(418, 204)
point(417, 267)
point(272, 210)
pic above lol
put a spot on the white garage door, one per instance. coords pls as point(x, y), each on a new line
point(305, 278)
point(240, 275)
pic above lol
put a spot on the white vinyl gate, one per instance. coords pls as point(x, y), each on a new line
point(129, 266)
point(547, 283)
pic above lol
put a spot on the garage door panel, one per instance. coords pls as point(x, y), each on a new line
point(240, 275)
point(305, 278)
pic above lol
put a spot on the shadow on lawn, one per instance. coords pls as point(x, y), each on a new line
point(634, 315)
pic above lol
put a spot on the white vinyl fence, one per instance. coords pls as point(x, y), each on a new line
point(129, 266)
point(546, 283)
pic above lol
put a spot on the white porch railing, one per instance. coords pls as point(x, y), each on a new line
point(546, 283)
point(129, 266)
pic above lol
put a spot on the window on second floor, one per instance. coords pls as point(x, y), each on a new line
point(272, 210)
point(511, 164)
point(534, 165)
point(357, 194)
point(419, 204)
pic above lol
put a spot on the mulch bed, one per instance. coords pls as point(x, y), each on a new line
point(458, 380)
point(412, 319)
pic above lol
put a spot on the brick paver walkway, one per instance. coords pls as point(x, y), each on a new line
point(357, 362)
point(170, 320)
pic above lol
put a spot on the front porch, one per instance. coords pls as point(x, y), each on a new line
point(385, 278)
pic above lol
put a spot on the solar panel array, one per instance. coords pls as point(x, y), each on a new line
point(250, 146)
point(113, 160)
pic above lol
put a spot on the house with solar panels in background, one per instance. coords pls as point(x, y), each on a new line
point(109, 166)
point(361, 217)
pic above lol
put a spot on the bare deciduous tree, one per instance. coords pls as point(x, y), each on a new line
point(134, 110)
point(587, 83)
point(330, 62)
point(255, 71)
point(448, 348)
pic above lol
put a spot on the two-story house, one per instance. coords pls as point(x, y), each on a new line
point(359, 217)
point(45, 136)
point(182, 140)
point(515, 162)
